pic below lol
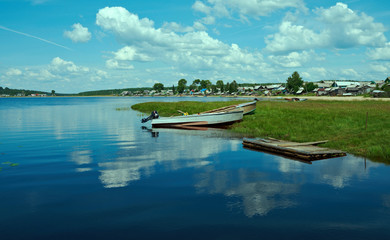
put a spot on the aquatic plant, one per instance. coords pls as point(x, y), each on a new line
point(123, 109)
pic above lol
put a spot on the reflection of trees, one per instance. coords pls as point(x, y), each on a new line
point(259, 195)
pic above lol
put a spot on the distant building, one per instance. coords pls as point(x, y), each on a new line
point(344, 84)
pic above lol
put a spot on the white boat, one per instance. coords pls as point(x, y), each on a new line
point(247, 108)
point(197, 120)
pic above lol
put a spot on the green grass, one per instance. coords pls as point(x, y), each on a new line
point(342, 123)
point(167, 109)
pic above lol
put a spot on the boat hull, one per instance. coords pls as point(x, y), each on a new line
point(206, 119)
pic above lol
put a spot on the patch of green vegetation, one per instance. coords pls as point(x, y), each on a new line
point(10, 164)
point(167, 109)
point(342, 123)
point(111, 92)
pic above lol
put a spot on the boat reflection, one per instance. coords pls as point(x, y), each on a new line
point(154, 133)
point(195, 131)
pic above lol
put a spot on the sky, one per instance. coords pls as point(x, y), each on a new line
point(72, 46)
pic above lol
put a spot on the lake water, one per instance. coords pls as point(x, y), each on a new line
point(77, 168)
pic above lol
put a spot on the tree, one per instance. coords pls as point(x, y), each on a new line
point(181, 85)
point(233, 87)
point(158, 87)
point(213, 88)
point(385, 87)
point(227, 87)
point(53, 93)
point(309, 86)
point(173, 89)
point(294, 82)
point(195, 85)
point(220, 85)
point(205, 84)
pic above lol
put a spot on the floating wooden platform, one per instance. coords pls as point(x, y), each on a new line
point(306, 151)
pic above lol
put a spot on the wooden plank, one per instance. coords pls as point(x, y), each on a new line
point(293, 144)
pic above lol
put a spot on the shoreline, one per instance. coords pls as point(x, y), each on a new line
point(315, 98)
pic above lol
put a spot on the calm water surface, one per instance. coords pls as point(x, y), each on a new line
point(77, 168)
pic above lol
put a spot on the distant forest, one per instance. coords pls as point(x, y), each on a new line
point(22, 92)
point(110, 92)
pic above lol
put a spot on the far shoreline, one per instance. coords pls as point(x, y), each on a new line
point(315, 98)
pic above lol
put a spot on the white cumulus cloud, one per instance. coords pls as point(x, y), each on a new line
point(347, 28)
point(342, 28)
point(294, 59)
point(192, 50)
point(13, 72)
point(115, 64)
point(59, 65)
point(294, 38)
point(245, 8)
point(78, 34)
point(382, 53)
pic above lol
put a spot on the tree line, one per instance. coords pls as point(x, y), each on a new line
point(22, 92)
point(294, 82)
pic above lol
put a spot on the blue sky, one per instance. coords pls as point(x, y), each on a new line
point(76, 45)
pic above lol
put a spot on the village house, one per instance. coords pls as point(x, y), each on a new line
point(126, 93)
point(345, 84)
point(344, 88)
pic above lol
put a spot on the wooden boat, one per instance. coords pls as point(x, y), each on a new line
point(204, 119)
point(247, 108)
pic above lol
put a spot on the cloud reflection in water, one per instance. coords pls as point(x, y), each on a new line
point(259, 194)
point(173, 150)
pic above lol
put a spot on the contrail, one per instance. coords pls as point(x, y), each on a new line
point(28, 35)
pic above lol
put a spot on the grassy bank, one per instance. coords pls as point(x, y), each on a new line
point(342, 123)
point(170, 108)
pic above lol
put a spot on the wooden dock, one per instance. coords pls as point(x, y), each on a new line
point(307, 151)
